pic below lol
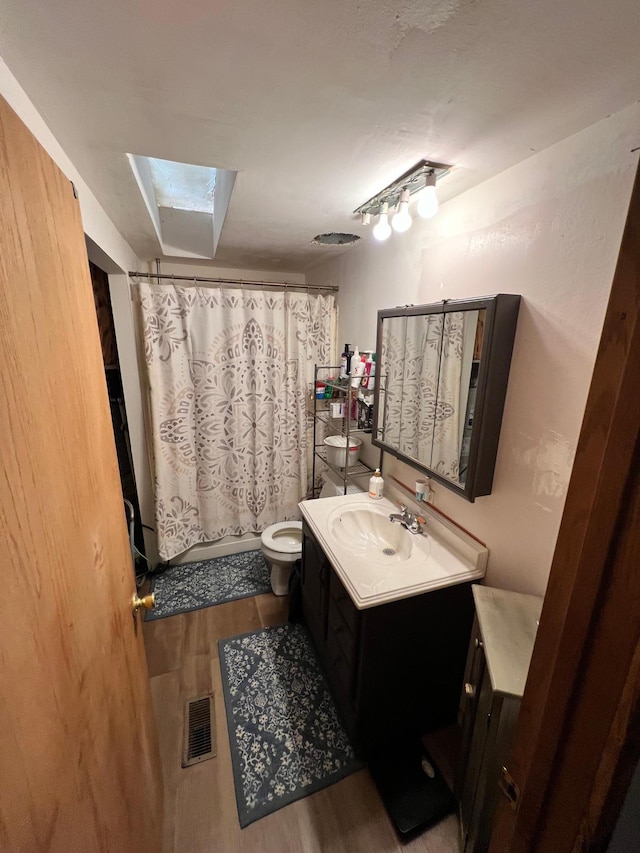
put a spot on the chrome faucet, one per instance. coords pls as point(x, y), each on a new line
point(413, 523)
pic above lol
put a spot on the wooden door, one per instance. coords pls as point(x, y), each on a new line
point(577, 738)
point(79, 764)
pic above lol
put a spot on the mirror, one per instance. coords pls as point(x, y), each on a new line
point(441, 366)
point(390, 391)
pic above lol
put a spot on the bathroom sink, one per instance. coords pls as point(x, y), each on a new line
point(379, 561)
point(368, 533)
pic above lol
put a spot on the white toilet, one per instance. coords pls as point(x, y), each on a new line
point(281, 545)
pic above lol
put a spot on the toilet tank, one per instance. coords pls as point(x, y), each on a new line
point(333, 486)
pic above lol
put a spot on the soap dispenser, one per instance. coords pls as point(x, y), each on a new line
point(376, 486)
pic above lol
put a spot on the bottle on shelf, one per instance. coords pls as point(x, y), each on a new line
point(358, 363)
point(371, 384)
point(354, 407)
point(328, 391)
point(362, 410)
point(345, 362)
point(368, 365)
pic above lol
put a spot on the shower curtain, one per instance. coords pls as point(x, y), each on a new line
point(229, 372)
point(445, 458)
point(423, 349)
point(429, 412)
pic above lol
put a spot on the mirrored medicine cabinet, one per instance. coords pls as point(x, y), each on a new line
point(442, 380)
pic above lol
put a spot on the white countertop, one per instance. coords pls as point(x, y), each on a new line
point(444, 556)
point(508, 622)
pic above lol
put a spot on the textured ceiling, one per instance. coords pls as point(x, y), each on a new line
point(317, 103)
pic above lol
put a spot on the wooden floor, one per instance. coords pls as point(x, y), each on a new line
point(200, 805)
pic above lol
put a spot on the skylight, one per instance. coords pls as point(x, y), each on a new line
point(183, 186)
point(179, 198)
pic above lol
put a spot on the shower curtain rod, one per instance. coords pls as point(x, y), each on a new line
point(234, 282)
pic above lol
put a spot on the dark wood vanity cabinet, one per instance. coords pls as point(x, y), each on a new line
point(395, 669)
point(500, 651)
point(315, 588)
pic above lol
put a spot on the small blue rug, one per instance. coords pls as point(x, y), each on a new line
point(286, 737)
point(191, 586)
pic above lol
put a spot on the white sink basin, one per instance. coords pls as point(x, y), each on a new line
point(380, 561)
point(368, 533)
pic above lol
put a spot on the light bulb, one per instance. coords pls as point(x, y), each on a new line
point(428, 204)
point(382, 229)
point(402, 219)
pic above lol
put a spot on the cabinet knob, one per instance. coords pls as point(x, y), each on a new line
point(478, 643)
point(469, 690)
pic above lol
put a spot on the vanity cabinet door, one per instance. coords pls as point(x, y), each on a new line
point(488, 721)
point(492, 736)
point(342, 639)
point(341, 675)
point(475, 781)
point(315, 588)
point(469, 697)
point(343, 604)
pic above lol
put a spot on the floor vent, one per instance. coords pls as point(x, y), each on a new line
point(199, 730)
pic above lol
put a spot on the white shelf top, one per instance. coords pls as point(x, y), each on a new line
point(508, 623)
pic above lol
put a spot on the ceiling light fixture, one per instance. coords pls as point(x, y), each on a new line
point(402, 218)
point(419, 179)
point(428, 204)
point(365, 218)
point(382, 229)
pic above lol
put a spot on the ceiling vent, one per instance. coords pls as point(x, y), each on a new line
point(335, 238)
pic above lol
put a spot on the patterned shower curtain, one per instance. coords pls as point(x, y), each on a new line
point(423, 350)
point(445, 458)
point(422, 357)
point(229, 372)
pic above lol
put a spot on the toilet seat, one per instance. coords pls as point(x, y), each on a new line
point(284, 537)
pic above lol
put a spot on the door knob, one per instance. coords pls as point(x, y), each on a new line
point(147, 602)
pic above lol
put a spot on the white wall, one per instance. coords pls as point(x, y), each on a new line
point(211, 270)
point(95, 221)
point(107, 248)
point(548, 229)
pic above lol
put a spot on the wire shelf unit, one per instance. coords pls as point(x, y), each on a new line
point(345, 425)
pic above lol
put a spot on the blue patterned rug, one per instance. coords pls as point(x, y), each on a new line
point(286, 738)
point(191, 586)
